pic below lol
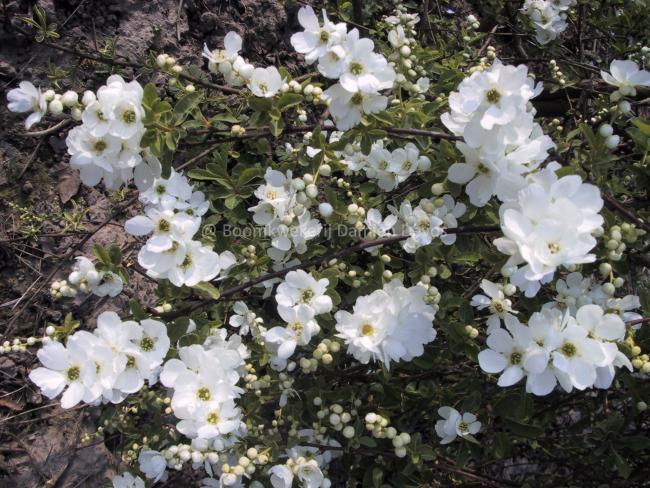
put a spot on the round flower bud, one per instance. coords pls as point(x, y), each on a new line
point(605, 269)
point(348, 432)
point(642, 406)
point(325, 170)
point(70, 98)
point(437, 189)
point(88, 98)
point(311, 191)
point(612, 141)
point(371, 418)
point(56, 107)
point(606, 130)
point(76, 113)
point(400, 452)
point(327, 359)
point(509, 290)
point(609, 289)
point(325, 209)
point(49, 330)
point(49, 95)
point(625, 107)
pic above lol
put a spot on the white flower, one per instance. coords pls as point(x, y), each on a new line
point(486, 99)
point(496, 302)
point(111, 285)
point(300, 287)
point(300, 328)
point(265, 82)
point(242, 318)
point(506, 353)
point(366, 71)
point(390, 324)
point(626, 76)
point(127, 480)
point(84, 275)
point(199, 263)
point(211, 419)
point(454, 424)
point(550, 224)
point(152, 464)
point(421, 224)
point(171, 193)
point(347, 107)
point(316, 41)
point(66, 368)
point(281, 476)
point(221, 60)
point(27, 98)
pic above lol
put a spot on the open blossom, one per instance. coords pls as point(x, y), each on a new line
point(265, 82)
point(557, 348)
point(486, 99)
point(495, 301)
point(548, 17)
point(626, 77)
point(549, 225)
point(390, 324)
point(152, 464)
point(300, 287)
point(315, 41)
point(127, 480)
point(453, 425)
point(104, 365)
point(27, 98)
point(299, 330)
point(347, 107)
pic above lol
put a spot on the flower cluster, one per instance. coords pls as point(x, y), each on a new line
point(361, 72)
point(283, 210)
point(86, 278)
point(227, 61)
point(495, 301)
point(427, 221)
point(550, 224)
point(106, 146)
point(105, 365)
point(204, 380)
point(575, 290)
point(548, 17)
point(390, 324)
point(402, 37)
point(577, 351)
point(389, 168)
point(304, 464)
point(626, 77)
point(454, 424)
point(502, 143)
point(300, 298)
point(173, 216)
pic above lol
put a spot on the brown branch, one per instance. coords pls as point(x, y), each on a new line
point(617, 206)
point(124, 63)
point(321, 261)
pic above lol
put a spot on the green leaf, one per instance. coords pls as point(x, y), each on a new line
point(137, 311)
point(643, 126)
point(260, 104)
point(208, 290)
point(102, 255)
point(248, 175)
point(367, 441)
point(288, 100)
point(186, 104)
point(149, 96)
point(523, 430)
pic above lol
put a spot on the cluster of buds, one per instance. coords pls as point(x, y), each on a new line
point(380, 428)
point(168, 63)
point(619, 237)
point(17, 345)
point(485, 62)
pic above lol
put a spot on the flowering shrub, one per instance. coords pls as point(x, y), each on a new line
point(390, 269)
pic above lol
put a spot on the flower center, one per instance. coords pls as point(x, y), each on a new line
point(128, 116)
point(498, 307)
point(130, 361)
point(297, 327)
point(493, 96)
point(161, 189)
point(213, 418)
point(163, 225)
point(203, 394)
point(356, 68)
point(568, 349)
point(73, 373)
point(356, 99)
point(367, 330)
point(463, 427)
point(515, 358)
point(307, 295)
point(147, 344)
point(324, 35)
point(187, 262)
point(483, 169)
point(100, 146)
point(553, 247)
